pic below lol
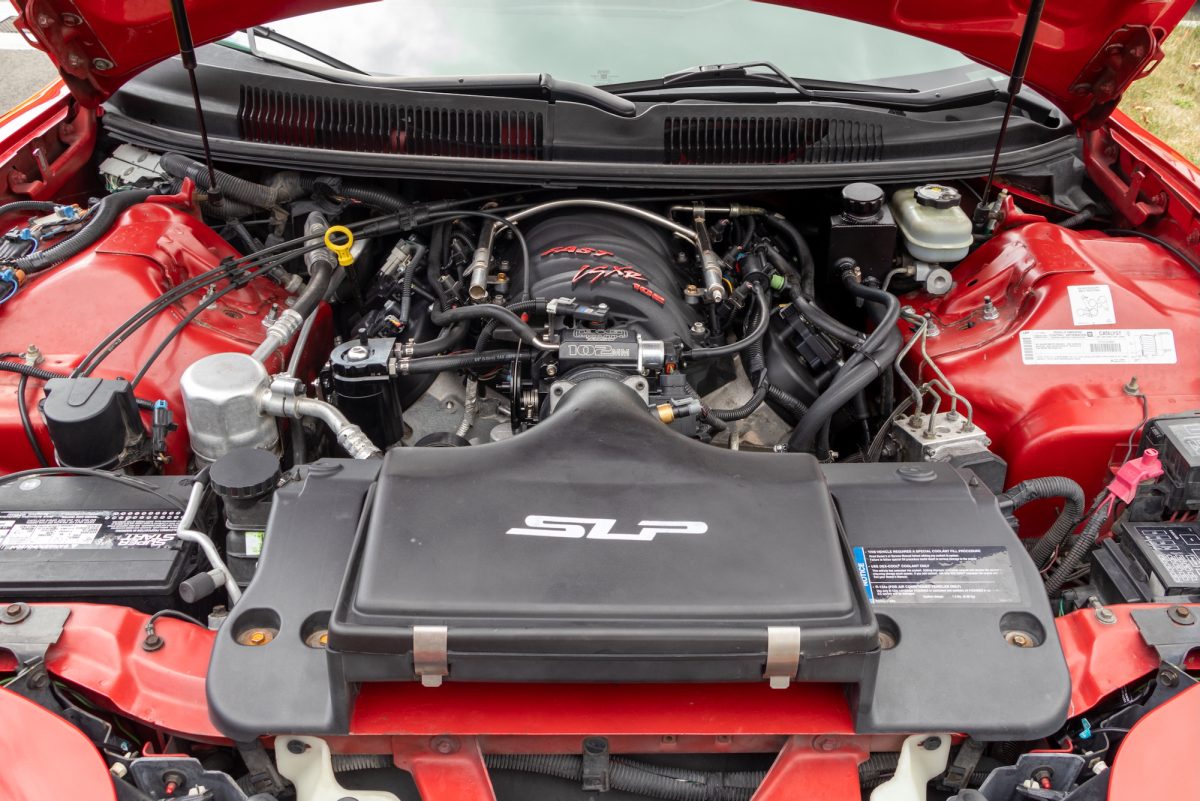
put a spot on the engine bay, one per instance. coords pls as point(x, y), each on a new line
point(863, 446)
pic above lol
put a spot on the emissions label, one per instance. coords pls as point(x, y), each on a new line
point(140, 528)
point(1091, 304)
point(1177, 549)
point(1099, 346)
point(937, 575)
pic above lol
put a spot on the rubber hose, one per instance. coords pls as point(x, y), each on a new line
point(1050, 487)
point(755, 335)
point(878, 352)
point(1079, 218)
point(492, 312)
point(374, 197)
point(254, 194)
point(320, 263)
point(449, 338)
point(406, 284)
point(808, 266)
point(100, 219)
point(830, 325)
point(1079, 550)
point(229, 209)
point(465, 361)
point(516, 308)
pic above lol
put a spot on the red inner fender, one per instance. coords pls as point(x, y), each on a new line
point(68, 309)
point(1065, 419)
point(37, 745)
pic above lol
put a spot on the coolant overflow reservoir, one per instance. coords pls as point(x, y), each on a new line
point(932, 222)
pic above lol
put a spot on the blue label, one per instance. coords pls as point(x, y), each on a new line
point(860, 560)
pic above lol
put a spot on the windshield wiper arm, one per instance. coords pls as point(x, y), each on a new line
point(299, 47)
point(544, 84)
point(712, 73)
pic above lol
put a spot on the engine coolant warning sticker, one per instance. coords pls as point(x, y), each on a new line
point(1099, 346)
point(1091, 304)
point(981, 575)
point(25, 531)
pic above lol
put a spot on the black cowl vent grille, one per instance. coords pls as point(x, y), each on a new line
point(302, 120)
point(770, 140)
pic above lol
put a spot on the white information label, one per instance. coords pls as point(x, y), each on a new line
point(1092, 304)
point(49, 534)
point(1099, 346)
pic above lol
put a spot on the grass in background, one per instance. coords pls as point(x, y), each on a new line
point(1168, 101)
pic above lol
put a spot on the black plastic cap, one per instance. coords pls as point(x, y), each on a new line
point(862, 201)
point(938, 196)
point(245, 473)
point(93, 422)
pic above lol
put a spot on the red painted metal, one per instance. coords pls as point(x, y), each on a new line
point(100, 652)
point(45, 757)
point(106, 43)
point(1072, 420)
point(1104, 657)
point(447, 769)
point(1158, 757)
point(51, 122)
point(830, 773)
point(565, 709)
point(70, 308)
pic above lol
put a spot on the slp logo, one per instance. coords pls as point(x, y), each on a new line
point(601, 528)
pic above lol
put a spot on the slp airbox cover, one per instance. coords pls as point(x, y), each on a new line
point(601, 546)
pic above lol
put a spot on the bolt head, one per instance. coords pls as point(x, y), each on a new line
point(1181, 615)
point(1169, 678)
point(297, 747)
point(102, 64)
point(825, 743)
point(444, 744)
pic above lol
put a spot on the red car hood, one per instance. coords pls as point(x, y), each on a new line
point(1085, 56)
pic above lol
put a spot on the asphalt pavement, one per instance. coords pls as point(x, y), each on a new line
point(23, 70)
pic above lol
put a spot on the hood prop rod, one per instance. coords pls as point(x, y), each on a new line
point(984, 219)
point(187, 54)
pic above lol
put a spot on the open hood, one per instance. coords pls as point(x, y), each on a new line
point(1085, 55)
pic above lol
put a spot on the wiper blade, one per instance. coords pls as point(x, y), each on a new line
point(862, 94)
point(549, 87)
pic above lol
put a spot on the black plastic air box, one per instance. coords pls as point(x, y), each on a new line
point(640, 557)
point(83, 538)
point(601, 546)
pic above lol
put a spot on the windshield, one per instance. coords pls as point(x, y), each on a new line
point(610, 41)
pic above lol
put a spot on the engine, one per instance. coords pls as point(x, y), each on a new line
point(379, 436)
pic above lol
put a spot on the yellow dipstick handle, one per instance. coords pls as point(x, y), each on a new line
point(340, 249)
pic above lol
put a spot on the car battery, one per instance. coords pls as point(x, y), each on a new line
point(92, 539)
